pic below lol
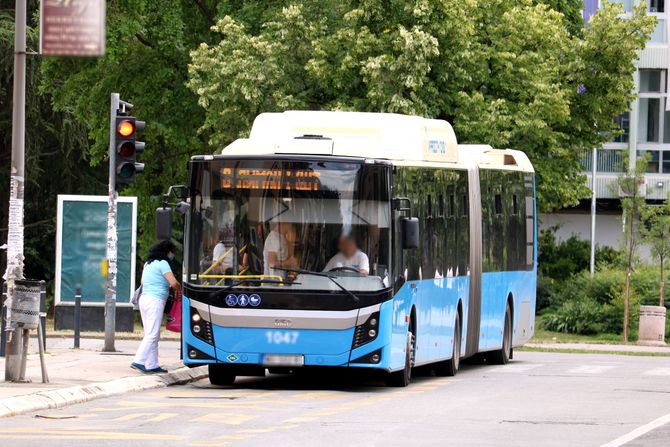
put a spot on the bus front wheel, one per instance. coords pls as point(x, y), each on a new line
point(503, 355)
point(450, 367)
point(220, 375)
point(404, 377)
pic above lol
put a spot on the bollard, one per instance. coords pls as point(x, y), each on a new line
point(3, 335)
point(77, 317)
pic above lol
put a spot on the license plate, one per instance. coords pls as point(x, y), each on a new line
point(283, 360)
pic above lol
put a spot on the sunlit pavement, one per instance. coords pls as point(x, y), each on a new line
point(540, 399)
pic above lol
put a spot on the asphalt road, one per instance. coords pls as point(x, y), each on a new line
point(540, 399)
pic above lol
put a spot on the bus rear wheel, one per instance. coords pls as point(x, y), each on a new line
point(220, 375)
point(404, 377)
point(450, 367)
point(502, 356)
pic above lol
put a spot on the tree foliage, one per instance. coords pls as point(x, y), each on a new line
point(506, 73)
point(522, 74)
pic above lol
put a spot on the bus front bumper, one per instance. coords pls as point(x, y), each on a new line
point(268, 347)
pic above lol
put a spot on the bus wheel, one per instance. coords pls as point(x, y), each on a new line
point(220, 375)
point(404, 377)
point(450, 367)
point(502, 356)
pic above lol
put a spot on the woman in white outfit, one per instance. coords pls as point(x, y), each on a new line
point(157, 279)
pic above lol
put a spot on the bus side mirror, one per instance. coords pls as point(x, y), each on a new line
point(409, 227)
point(163, 223)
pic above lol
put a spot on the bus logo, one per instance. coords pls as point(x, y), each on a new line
point(281, 322)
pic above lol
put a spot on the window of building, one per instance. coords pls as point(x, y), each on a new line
point(656, 5)
point(623, 123)
point(651, 80)
point(649, 124)
point(653, 160)
point(666, 162)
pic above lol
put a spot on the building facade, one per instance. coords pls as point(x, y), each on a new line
point(645, 130)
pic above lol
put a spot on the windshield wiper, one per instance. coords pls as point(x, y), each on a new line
point(323, 275)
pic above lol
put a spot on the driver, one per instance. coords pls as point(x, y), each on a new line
point(348, 257)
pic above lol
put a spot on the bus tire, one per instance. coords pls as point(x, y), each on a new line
point(503, 355)
point(220, 375)
point(449, 367)
point(403, 377)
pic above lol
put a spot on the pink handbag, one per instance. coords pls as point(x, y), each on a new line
point(174, 317)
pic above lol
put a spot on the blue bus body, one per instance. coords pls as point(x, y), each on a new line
point(245, 326)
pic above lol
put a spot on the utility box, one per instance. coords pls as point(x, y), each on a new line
point(652, 325)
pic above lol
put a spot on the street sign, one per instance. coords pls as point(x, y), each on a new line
point(81, 249)
point(72, 27)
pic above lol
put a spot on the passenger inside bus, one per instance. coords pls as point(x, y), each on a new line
point(279, 249)
point(222, 254)
point(349, 257)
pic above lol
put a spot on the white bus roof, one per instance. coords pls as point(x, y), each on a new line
point(401, 139)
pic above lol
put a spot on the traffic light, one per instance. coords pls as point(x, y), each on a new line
point(126, 145)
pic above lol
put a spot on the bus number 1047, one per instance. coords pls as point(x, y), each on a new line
point(282, 337)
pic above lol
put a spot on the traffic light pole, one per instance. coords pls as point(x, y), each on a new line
point(110, 289)
point(17, 173)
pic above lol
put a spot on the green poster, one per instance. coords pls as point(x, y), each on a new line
point(81, 248)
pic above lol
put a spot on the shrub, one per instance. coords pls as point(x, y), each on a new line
point(579, 316)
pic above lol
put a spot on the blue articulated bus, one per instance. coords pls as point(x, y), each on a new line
point(356, 240)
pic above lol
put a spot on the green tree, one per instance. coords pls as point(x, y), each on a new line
point(656, 233)
point(57, 159)
point(631, 188)
point(506, 73)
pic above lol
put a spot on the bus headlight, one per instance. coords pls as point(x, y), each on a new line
point(367, 331)
point(201, 328)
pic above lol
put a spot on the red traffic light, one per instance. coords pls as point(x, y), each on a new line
point(126, 128)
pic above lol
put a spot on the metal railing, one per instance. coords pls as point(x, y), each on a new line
point(609, 160)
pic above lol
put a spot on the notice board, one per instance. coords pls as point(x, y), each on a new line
point(81, 244)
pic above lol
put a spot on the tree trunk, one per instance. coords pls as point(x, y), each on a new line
point(629, 268)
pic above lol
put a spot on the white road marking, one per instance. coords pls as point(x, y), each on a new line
point(643, 430)
point(591, 369)
point(657, 372)
point(517, 367)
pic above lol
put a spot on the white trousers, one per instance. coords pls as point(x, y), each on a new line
point(151, 309)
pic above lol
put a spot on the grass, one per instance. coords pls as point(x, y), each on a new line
point(544, 336)
point(587, 351)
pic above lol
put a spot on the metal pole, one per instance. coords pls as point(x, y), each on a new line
point(594, 169)
point(110, 291)
point(3, 334)
point(41, 342)
point(77, 317)
point(17, 174)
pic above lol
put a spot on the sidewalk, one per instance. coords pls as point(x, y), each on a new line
point(87, 373)
point(596, 347)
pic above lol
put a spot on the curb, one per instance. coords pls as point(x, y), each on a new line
point(46, 400)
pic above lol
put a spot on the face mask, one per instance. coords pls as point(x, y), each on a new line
point(171, 256)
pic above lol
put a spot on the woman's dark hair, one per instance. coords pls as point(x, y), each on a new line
point(160, 251)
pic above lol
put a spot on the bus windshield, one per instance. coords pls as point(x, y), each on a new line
point(253, 221)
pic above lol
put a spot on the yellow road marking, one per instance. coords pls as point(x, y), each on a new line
point(156, 417)
point(32, 433)
point(224, 418)
point(205, 403)
point(318, 395)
